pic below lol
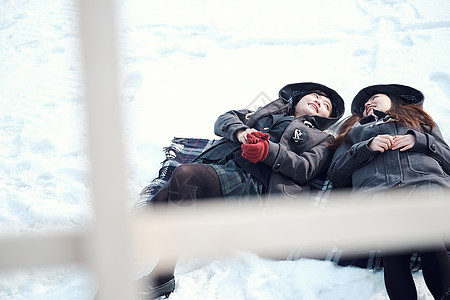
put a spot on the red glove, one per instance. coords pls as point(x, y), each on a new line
point(256, 136)
point(257, 147)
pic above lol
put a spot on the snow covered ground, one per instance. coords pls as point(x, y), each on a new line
point(184, 63)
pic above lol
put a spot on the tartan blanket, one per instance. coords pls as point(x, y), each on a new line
point(184, 150)
point(180, 151)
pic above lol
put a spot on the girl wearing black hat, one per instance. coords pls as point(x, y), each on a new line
point(276, 149)
point(390, 142)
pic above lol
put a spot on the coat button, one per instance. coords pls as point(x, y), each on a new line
point(277, 167)
point(352, 151)
point(308, 123)
point(433, 147)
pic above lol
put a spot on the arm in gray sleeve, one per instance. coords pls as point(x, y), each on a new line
point(301, 168)
point(230, 122)
point(434, 145)
point(346, 159)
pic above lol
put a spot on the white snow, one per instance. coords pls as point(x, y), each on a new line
point(184, 63)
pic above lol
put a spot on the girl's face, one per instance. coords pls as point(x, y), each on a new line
point(379, 102)
point(313, 104)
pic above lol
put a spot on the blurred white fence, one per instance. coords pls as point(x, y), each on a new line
point(114, 241)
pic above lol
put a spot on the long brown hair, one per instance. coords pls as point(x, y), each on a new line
point(409, 115)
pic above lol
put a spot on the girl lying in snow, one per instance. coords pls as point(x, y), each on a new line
point(277, 149)
point(389, 143)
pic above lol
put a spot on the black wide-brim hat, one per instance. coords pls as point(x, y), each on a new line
point(295, 91)
point(406, 94)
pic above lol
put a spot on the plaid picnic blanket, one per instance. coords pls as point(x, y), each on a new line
point(184, 150)
point(180, 151)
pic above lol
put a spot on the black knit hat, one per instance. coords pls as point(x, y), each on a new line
point(295, 91)
point(397, 92)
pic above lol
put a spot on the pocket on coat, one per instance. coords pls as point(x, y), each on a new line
point(424, 165)
point(292, 191)
point(283, 186)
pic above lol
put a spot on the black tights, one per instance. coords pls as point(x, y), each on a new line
point(188, 183)
point(399, 281)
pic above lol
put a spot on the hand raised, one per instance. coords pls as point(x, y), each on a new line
point(255, 152)
point(381, 143)
point(255, 136)
point(241, 135)
point(403, 142)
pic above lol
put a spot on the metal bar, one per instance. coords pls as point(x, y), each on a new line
point(111, 258)
point(213, 228)
point(393, 222)
point(37, 250)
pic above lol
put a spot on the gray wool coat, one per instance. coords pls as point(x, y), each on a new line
point(300, 155)
point(355, 165)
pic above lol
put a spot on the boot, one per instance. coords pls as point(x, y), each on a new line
point(148, 289)
point(446, 295)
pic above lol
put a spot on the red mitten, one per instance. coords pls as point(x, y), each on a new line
point(255, 136)
point(255, 152)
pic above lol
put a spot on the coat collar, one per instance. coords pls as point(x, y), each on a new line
point(283, 106)
point(377, 115)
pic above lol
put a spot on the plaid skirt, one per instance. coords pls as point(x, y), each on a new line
point(235, 182)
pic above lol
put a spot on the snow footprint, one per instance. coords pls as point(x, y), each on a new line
point(133, 83)
point(443, 81)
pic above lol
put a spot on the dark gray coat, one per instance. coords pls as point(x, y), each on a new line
point(355, 165)
point(299, 156)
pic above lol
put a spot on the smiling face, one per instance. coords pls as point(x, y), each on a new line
point(379, 102)
point(313, 104)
